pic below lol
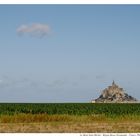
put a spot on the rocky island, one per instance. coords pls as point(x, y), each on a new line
point(114, 94)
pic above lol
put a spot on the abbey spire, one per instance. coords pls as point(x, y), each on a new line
point(113, 83)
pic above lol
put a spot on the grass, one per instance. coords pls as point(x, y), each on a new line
point(70, 117)
point(29, 118)
point(69, 123)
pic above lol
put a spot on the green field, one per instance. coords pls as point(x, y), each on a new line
point(70, 117)
point(70, 108)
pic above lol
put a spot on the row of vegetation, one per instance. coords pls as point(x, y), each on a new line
point(70, 109)
point(35, 118)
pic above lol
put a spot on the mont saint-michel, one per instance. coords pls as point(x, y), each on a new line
point(114, 94)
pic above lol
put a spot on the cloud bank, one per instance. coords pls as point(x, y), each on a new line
point(7, 82)
point(35, 30)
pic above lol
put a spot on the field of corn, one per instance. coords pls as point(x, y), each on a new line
point(70, 108)
point(69, 117)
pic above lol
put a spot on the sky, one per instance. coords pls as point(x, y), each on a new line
point(68, 53)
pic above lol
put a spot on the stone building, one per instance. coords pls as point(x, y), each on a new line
point(114, 94)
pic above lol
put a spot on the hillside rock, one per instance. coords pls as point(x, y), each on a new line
point(114, 94)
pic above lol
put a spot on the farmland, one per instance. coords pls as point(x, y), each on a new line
point(69, 117)
point(70, 108)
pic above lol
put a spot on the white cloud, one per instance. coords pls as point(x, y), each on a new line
point(101, 77)
point(35, 29)
point(57, 83)
point(8, 83)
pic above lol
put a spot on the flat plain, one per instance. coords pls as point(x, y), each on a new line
point(69, 118)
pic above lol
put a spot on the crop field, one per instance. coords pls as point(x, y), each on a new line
point(70, 108)
point(69, 117)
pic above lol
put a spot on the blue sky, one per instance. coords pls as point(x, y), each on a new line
point(68, 53)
